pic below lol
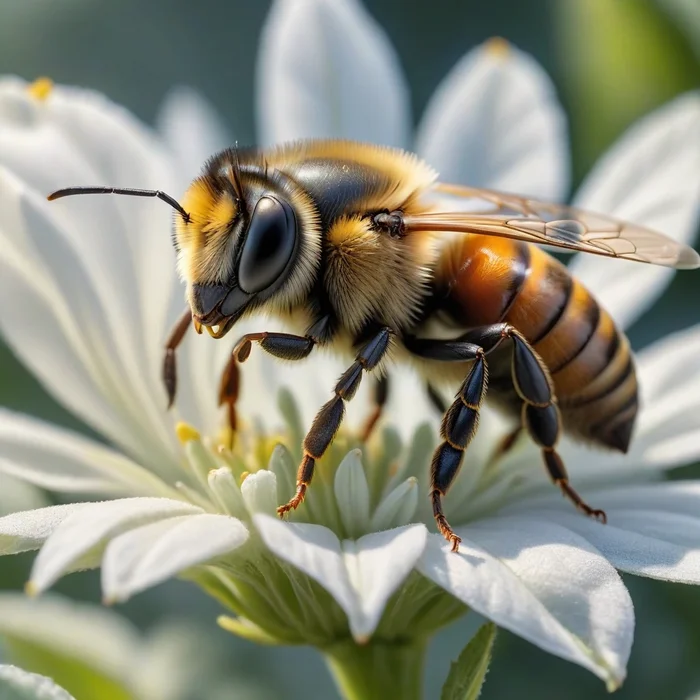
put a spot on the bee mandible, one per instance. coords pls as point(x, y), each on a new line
point(361, 248)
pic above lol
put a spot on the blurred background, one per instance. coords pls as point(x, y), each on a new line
point(611, 62)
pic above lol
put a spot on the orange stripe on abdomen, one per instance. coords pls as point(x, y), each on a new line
point(480, 277)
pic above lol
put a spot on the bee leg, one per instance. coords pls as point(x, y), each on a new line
point(169, 361)
point(282, 345)
point(459, 425)
point(229, 388)
point(435, 399)
point(541, 417)
point(328, 419)
point(381, 393)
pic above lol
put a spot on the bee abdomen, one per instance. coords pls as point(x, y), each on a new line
point(588, 357)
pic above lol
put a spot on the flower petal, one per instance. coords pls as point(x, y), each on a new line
point(495, 121)
point(543, 583)
point(659, 544)
point(78, 542)
point(27, 530)
point(326, 70)
point(377, 565)
point(191, 128)
point(651, 177)
point(17, 684)
point(360, 575)
point(61, 460)
point(97, 639)
point(150, 554)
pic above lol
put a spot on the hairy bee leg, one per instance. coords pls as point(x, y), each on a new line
point(541, 416)
point(169, 361)
point(328, 419)
point(381, 393)
point(282, 345)
point(435, 399)
point(459, 425)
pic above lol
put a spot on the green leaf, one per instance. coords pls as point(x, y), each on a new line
point(16, 684)
point(619, 61)
point(467, 674)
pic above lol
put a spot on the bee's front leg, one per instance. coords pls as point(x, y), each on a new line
point(329, 418)
point(169, 361)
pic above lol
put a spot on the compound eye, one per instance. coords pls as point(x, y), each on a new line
point(269, 245)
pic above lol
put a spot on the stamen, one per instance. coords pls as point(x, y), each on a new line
point(186, 433)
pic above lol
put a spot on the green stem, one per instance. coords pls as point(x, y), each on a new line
point(377, 670)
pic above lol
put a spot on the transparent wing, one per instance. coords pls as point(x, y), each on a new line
point(471, 210)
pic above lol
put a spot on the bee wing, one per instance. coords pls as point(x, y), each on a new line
point(470, 210)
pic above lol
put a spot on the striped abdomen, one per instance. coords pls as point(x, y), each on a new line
point(487, 280)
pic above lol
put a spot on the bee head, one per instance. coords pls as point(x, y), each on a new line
point(251, 242)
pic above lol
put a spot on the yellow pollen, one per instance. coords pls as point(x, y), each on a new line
point(41, 88)
point(498, 47)
point(244, 476)
point(30, 589)
point(186, 433)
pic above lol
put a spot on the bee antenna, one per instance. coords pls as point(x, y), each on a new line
point(129, 192)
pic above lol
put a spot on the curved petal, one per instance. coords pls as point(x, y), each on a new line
point(544, 583)
point(651, 176)
point(28, 530)
point(17, 684)
point(660, 544)
point(326, 70)
point(191, 128)
point(495, 122)
point(61, 460)
point(69, 344)
point(361, 575)
point(78, 542)
point(100, 640)
point(148, 555)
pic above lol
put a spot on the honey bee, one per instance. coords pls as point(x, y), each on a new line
point(361, 248)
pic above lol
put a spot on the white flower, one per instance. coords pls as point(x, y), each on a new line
point(82, 645)
point(88, 291)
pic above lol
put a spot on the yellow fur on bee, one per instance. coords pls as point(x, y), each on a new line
point(371, 275)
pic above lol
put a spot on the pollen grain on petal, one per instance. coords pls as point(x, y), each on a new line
point(41, 88)
point(186, 433)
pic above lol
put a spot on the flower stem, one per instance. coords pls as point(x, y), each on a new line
point(377, 670)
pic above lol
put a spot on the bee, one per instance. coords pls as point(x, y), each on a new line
point(361, 248)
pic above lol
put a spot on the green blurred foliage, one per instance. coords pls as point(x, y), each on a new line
point(612, 61)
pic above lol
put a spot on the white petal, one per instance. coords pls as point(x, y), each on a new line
point(192, 128)
point(651, 177)
point(543, 583)
point(17, 684)
point(68, 344)
point(377, 565)
point(94, 637)
point(60, 460)
point(148, 555)
point(326, 69)
point(27, 530)
point(259, 491)
point(658, 544)
point(495, 121)
point(78, 542)
point(89, 261)
point(360, 575)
